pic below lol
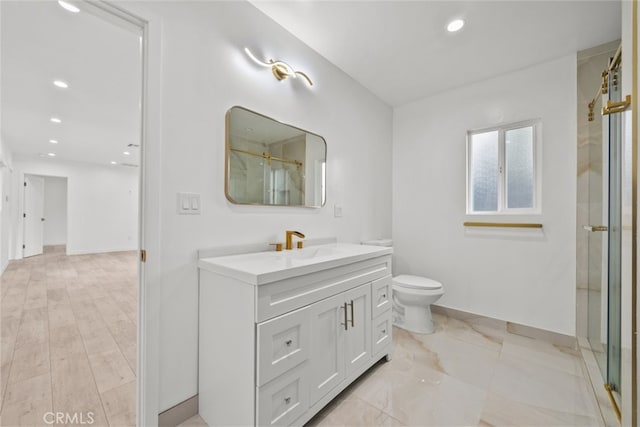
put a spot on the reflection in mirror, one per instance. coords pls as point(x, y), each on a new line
point(271, 163)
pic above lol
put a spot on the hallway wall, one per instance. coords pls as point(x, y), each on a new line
point(102, 204)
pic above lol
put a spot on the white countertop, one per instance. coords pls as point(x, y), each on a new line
point(259, 268)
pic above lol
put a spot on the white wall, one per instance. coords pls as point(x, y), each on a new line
point(55, 211)
point(6, 203)
point(102, 203)
point(204, 73)
point(527, 277)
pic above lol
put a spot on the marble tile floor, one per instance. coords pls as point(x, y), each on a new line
point(68, 340)
point(468, 373)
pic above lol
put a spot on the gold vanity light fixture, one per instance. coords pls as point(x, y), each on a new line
point(280, 69)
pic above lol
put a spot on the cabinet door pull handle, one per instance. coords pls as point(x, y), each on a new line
point(384, 295)
point(352, 321)
point(346, 322)
point(384, 331)
point(287, 400)
point(288, 342)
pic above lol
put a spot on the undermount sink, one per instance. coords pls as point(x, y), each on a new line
point(264, 267)
point(307, 253)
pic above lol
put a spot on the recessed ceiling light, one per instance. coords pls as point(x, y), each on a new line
point(53, 141)
point(68, 6)
point(61, 84)
point(126, 153)
point(55, 120)
point(114, 163)
point(51, 154)
point(455, 25)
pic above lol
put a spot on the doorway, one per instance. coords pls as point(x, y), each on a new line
point(72, 317)
point(33, 216)
point(44, 214)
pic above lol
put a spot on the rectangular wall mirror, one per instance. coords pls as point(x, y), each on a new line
point(272, 163)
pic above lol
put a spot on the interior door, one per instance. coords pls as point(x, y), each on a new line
point(33, 215)
point(358, 336)
point(328, 320)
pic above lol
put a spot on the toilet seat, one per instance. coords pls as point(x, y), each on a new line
point(416, 282)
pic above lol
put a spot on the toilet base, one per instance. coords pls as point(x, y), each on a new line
point(415, 319)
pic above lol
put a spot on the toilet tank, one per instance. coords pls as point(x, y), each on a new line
point(379, 242)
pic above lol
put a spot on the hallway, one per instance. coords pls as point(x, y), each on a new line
point(69, 339)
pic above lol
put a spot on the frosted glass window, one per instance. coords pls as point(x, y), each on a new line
point(502, 169)
point(484, 171)
point(519, 167)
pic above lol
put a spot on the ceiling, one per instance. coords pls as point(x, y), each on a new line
point(398, 50)
point(100, 110)
point(401, 50)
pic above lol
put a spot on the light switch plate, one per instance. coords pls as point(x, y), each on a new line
point(188, 204)
point(337, 211)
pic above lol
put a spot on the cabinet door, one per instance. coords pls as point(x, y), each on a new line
point(358, 336)
point(327, 346)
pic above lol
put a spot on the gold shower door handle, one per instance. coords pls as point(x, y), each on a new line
point(594, 228)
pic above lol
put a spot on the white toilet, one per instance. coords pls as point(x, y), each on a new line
point(412, 298)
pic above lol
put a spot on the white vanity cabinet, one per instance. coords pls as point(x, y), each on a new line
point(341, 331)
point(276, 348)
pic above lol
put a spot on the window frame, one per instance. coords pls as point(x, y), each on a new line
point(502, 209)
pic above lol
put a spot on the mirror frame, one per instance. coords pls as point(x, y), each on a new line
point(227, 159)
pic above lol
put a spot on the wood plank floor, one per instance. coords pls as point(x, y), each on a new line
point(68, 341)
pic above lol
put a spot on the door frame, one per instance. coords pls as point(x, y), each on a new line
point(149, 270)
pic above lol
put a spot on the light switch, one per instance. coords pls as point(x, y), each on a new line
point(188, 204)
point(337, 211)
point(195, 202)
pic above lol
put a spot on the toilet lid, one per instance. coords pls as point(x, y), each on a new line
point(416, 282)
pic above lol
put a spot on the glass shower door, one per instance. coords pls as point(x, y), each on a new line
point(605, 239)
point(598, 244)
point(615, 238)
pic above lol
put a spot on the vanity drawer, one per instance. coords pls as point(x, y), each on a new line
point(380, 296)
point(283, 343)
point(284, 399)
point(381, 333)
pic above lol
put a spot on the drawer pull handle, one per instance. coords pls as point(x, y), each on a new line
point(352, 321)
point(287, 400)
point(346, 322)
point(288, 342)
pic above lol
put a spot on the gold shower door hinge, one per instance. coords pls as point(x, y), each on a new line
point(616, 107)
point(143, 255)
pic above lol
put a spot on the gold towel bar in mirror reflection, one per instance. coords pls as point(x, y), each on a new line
point(503, 224)
point(268, 157)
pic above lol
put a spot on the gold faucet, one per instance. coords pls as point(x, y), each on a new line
point(289, 243)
